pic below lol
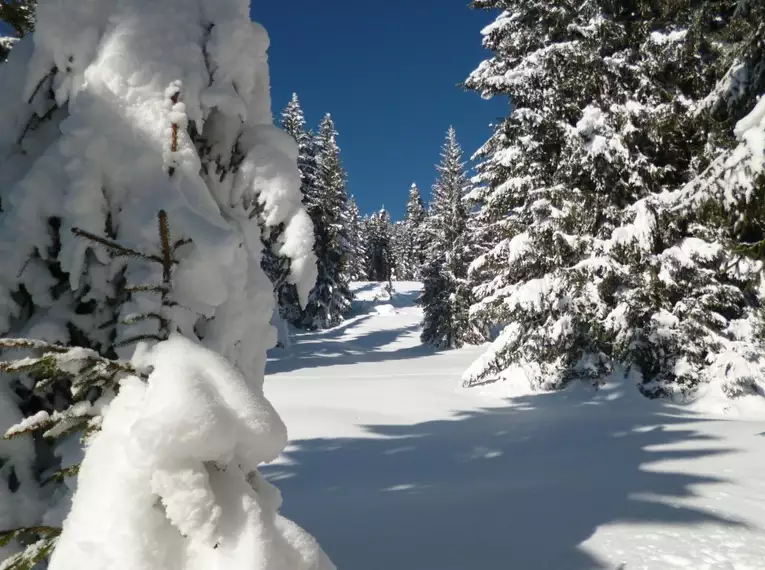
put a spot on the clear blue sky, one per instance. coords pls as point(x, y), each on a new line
point(387, 72)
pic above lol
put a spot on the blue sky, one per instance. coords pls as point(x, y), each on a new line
point(388, 72)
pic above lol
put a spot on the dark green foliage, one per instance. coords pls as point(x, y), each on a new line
point(411, 241)
point(330, 300)
point(379, 247)
point(356, 264)
point(447, 297)
point(446, 301)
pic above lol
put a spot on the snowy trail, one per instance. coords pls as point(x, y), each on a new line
point(393, 465)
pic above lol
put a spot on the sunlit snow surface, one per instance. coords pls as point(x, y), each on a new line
point(393, 465)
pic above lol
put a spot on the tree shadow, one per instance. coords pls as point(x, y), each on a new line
point(334, 349)
point(519, 487)
point(339, 345)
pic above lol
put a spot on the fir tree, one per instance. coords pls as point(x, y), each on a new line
point(85, 275)
point(356, 266)
point(605, 115)
point(412, 238)
point(446, 294)
point(294, 124)
point(379, 255)
point(399, 237)
point(331, 298)
point(94, 381)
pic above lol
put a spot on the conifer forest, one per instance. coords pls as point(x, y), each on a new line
point(223, 349)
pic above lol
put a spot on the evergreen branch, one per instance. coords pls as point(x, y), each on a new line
point(108, 324)
point(133, 319)
point(61, 474)
point(146, 289)
point(139, 338)
point(36, 423)
point(34, 121)
point(6, 536)
point(33, 553)
point(45, 365)
point(67, 427)
point(115, 247)
point(31, 344)
point(50, 75)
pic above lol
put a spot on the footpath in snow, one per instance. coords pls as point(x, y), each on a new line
point(392, 465)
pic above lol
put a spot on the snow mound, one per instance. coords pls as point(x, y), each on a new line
point(173, 476)
point(385, 310)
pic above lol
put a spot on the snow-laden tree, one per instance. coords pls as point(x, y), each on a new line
point(293, 122)
point(331, 299)
point(399, 236)
point(138, 164)
point(19, 16)
point(356, 266)
point(446, 296)
point(606, 100)
point(411, 239)
point(379, 254)
point(694, 316)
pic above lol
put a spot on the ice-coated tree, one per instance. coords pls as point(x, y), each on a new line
point(111, 114)
point(446, 296)
point(356, 266)
point(19, 16)
point(331, 299)
point(379, 254)
point(584, 270)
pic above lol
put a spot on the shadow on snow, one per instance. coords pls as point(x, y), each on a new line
point(335, 346)
point(521, 487)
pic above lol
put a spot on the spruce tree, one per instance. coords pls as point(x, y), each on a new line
point(583, 271)
point(294, 124)
point(412, 238)
point(331, 299)
point(356, 265)
point(379, 254)
point(446, 296)
point(85, 165)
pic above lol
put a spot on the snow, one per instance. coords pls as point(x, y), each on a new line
point(751, 132)
point(171, 480)
point(640, 232)
point(391, 464)
point(668, 38)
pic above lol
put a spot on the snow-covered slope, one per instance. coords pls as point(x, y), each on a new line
point(393, 465)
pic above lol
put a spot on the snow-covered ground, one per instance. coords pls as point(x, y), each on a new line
point(393, 465)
